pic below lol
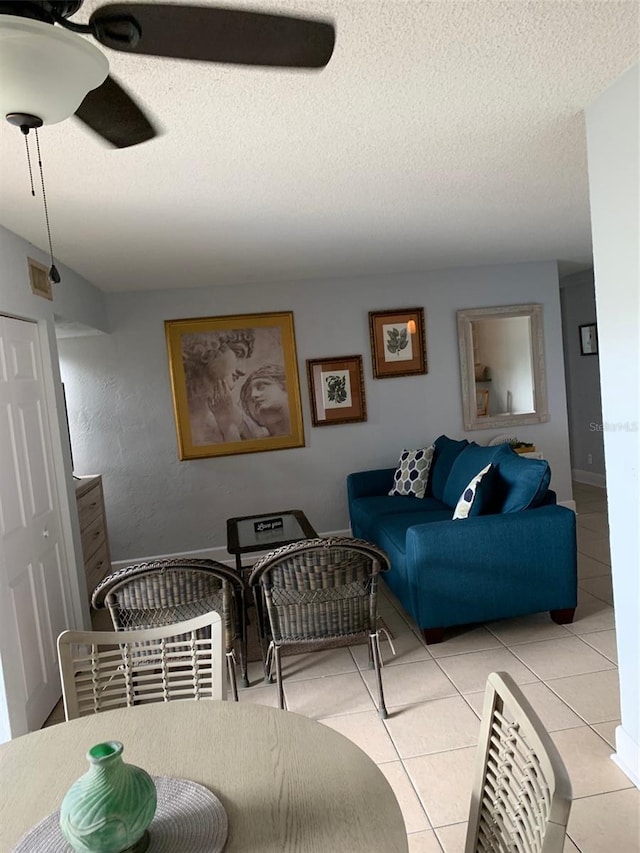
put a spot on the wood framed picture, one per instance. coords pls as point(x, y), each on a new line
point(235, 384)
point(398, 346)
point(589, 339)
point(336, 390)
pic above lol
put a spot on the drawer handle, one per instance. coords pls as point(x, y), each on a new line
point(97, 533)
point(95, 503)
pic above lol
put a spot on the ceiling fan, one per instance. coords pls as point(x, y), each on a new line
point(50, 72)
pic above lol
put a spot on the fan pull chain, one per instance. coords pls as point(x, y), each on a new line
point(26, 145)
point(54, 275)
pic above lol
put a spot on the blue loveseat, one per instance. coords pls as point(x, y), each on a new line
point(515, 553)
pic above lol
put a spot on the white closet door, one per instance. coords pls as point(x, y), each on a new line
point(34, 594)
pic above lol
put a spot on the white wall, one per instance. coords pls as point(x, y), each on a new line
point(613, 146)
point(121, 410)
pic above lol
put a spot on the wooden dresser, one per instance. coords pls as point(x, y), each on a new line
point(93, 530)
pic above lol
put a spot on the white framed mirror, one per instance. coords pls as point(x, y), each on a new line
point(502, 366)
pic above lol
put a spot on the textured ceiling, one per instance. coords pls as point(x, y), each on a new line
point(440, 134)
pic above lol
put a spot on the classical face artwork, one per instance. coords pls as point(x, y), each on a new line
point(213, 365)
point(228, 400)
point(235, 384)
point(264, 398)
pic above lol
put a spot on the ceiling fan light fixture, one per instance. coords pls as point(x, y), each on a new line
point(46, 71)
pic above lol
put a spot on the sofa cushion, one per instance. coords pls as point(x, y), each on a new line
point(391, 530)
point(366, 511)
point(476, 495)
point(520, 483)
point(466, 465)
point(445, 451)
point(412, 474)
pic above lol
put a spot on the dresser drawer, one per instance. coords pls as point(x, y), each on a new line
point(93, 536)
point(96, 567)
point(93, 530)
point(89, 506)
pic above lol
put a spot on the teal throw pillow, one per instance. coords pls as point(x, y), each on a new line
point(445, 453)
point(520, 483)
point(412, 473)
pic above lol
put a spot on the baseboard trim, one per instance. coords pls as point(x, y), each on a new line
point(220, 554)
point(569, 505)
point(588, 478)
point(627, 755)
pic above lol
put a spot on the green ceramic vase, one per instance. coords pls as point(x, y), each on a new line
point(109, 809)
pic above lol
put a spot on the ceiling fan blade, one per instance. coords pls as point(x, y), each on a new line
point(211, 34)
point(111, 113)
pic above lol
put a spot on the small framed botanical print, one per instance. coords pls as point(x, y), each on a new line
point(336, 390)
point(398, 345)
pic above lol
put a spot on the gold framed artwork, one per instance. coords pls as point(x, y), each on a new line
point(235, 384)
point(336, 390)
point(398, 345)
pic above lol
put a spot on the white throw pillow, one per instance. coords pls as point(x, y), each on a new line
point(466, 503)
point(412, 473)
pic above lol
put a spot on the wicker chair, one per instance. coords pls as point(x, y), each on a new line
point(316, 591)
point(102, 670)
point(522, 794)
point(166, 591)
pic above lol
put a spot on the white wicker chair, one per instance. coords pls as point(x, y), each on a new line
point(102, 670)
point(521, 796)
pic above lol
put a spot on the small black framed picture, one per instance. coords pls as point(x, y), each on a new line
point(589, 339)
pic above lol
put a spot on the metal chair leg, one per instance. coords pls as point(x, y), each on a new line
point(244, 679)
point(231, 668)
point(373, 645)
point(276, 653)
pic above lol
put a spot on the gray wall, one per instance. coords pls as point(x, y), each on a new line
point(578, 303)
point(76, 304)
point(121, 410)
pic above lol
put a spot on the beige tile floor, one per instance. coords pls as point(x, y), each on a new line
point(426, 747)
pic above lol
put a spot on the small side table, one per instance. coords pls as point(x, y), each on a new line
point(252, 533)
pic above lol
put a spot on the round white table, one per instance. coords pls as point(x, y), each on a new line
point(286, 782)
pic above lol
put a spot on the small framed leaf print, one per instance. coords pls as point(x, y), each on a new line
point(336, 390)
point(398, 345)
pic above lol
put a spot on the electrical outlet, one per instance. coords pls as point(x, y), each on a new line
point(589, 458)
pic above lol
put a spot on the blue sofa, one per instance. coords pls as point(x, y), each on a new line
point(516, 554)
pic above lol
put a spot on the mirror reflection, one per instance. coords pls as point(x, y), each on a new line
point(502, 366)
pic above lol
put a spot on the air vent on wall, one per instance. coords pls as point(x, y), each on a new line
point(39, 278)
